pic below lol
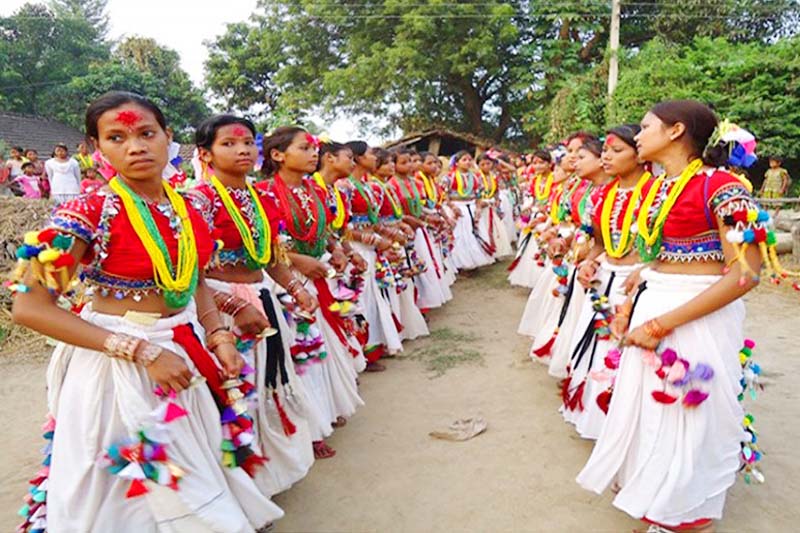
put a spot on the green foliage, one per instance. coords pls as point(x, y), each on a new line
point(754, 84)
point(56, 60)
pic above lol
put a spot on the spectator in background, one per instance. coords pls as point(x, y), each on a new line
point(15, 162)
point(64, 175)
point(38, 171)
point(27, 183)
point(83, 157)
point(4, 191)
point(92, 181)
point(776, 179)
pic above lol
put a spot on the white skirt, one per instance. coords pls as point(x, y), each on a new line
point(541, 303)
point(548, 332)
point(408, 313)
point(337, 369)
point(491, 229)
point(97, 401)
point(428, 283)
point(377, 310)
point(507, 207)
point(290, 456)
point(589, 420)
point(561, 352)
point(467, 253)
point(526, 273)
point(673, 464)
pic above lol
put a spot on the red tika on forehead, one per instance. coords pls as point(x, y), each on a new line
point(128, 118)
point(314, 141)
point(610, 138)
point(239, 131)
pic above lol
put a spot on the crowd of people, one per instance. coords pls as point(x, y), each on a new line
point(211, 339)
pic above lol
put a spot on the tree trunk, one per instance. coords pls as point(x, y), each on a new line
point(473, 106)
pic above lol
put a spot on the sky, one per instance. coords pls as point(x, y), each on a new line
point(184, 26)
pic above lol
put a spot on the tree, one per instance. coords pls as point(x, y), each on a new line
point(92, 11)
point(491, 68)
point(754, 84)
point(41, 51)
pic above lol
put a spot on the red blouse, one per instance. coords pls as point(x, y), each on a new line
point(206, 201)
point(404, 191)
point(116, 259)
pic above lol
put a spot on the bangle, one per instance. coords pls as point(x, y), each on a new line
point(208, 312)
point(655, 330)
point(121, 346)
point(149, 354)
point(219, 336)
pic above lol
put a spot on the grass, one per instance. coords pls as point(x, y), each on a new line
point(445, 349)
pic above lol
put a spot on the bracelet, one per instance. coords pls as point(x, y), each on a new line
point(121, 346)
point(208, 312)
point(149, 354)
point(219, 336)
point(655, 330)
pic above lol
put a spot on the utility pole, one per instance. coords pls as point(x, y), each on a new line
point(613, 63)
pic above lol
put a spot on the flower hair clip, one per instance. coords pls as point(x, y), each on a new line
point(741, 143)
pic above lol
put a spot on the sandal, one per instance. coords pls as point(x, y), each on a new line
point(339, 422)
point(322, 450)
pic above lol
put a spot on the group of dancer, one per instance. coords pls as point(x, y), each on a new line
point(210, 340)
point(637, 248)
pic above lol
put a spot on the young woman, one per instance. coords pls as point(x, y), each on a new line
point(542, 302)
point(366, 198)
point(464, 187)
point(586, 339)
point(673, 445)
point(568, 248)
point(490, 224)
point(391, 225)
point(523, 270)
point(63, 174)
point(322, 349)
point(114, 437)
point(336, 163)
point(430, 290)
point(433, 199)
point(245, 221)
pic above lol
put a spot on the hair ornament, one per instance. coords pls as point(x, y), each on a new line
point(740, 142)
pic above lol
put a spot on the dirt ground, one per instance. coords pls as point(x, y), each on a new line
point(389, 475)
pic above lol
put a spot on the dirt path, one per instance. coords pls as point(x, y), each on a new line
point(389, 475)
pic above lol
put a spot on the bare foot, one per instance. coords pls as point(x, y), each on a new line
point(339, 422)
point(375, 367)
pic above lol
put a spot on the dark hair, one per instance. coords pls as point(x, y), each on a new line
point(461, 153)
point(59, 145)
point(777, 158)
point(402, 150)
point(426, 155)
point(18, 149)
point(206, 132)
point(332, 148)
point(114, 99)
point(32, 150)
point(279, 139)
point(382, 156)
point(700, 122)
point(484, 157)
point(358, 148)
point(582, 135)
point(625, 133)
point(544, 155)
point(26, 165)
point(593, 145)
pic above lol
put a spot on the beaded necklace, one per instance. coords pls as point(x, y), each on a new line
point(460, 184)
point(649, 239)
point(366, 194)
point(177, 283)
point(387, 193)
point(538, 192)
point(622, 248)
point(308, 233)
point(430, 187)
point(412, 197)
point(259, 253)
point(338, 221)
point(489, 184)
